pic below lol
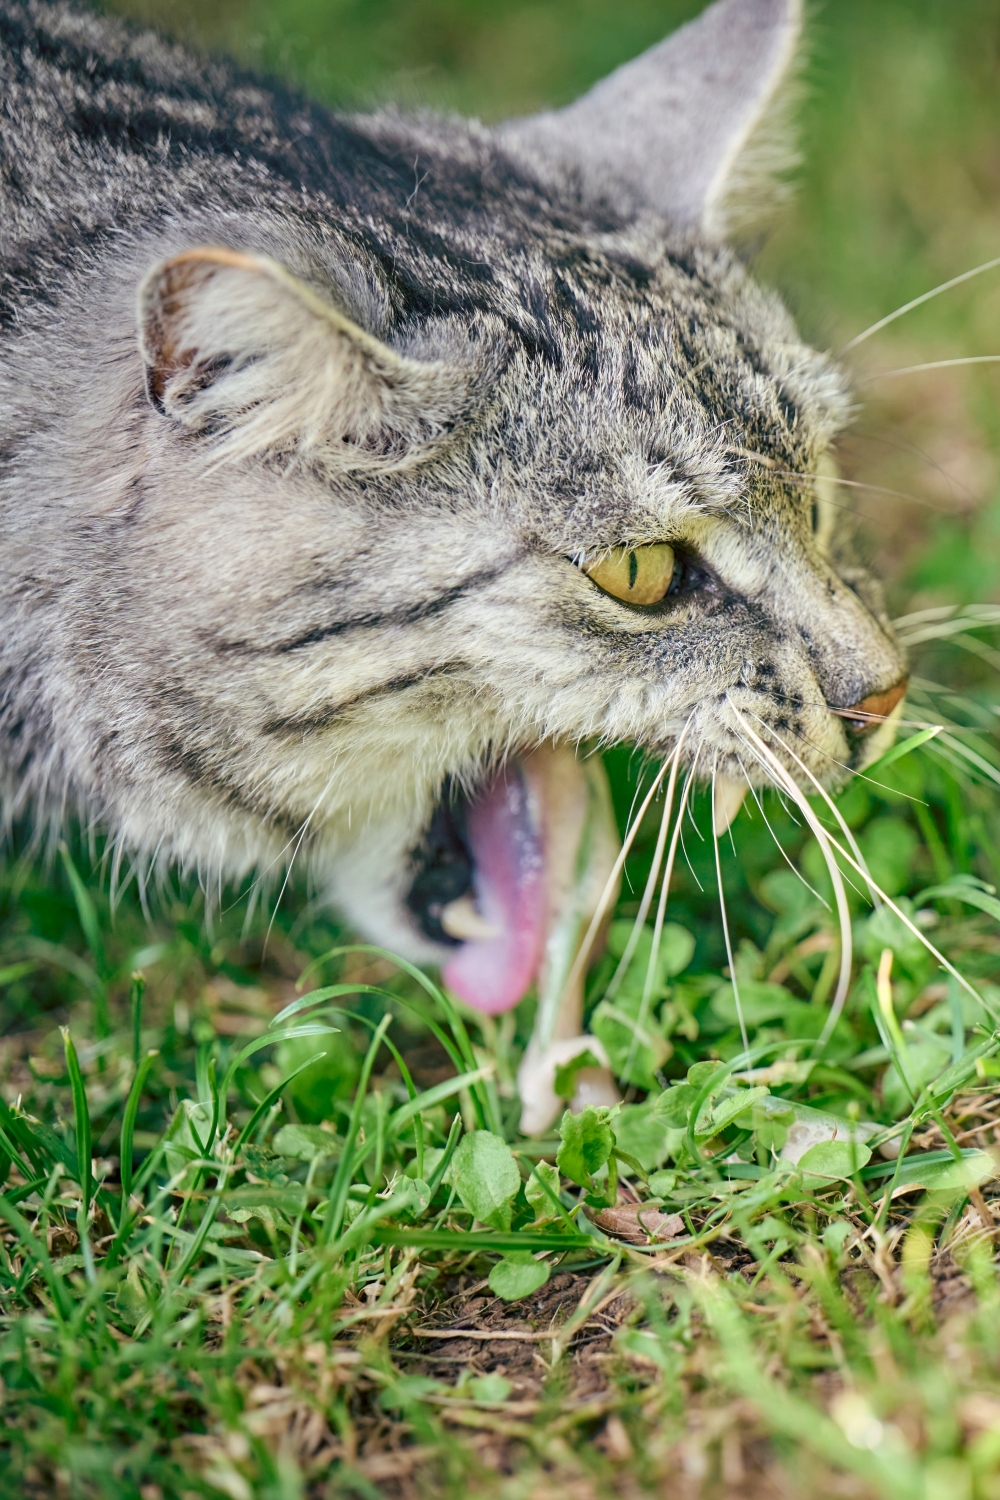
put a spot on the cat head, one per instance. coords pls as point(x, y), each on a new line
point(489, 443)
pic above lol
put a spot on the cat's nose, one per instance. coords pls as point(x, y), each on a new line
point(862, 718)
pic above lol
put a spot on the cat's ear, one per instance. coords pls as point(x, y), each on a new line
point(693, 129)
point(236, 346)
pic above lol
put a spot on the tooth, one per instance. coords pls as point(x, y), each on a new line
point(580, 853)
point(461, 920)
point(540, 1104)
point(726, 802)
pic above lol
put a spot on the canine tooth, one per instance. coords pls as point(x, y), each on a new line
point(540, 1104)
point(461, 920)
point(726, 802)
point(581, 848)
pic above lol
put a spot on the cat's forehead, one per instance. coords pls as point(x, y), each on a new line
point(639, 367)
point(669, 382)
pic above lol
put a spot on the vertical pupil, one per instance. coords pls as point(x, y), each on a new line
point(815, 516)
point(633, 569)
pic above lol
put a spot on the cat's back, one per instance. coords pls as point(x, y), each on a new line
point(106, 130)
point(104, 127)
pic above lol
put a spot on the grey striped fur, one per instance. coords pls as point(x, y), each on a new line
point(290, 537)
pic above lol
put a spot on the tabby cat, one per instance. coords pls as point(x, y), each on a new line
point(355, 468)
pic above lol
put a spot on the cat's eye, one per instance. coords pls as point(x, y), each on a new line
point(637, 575)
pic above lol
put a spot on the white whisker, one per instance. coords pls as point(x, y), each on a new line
point(647, 894)
point(945, 286)
point(933, 364)
point(728, 940)
point(824, 841)
point(794, 869)
point(611, 884)
point(823, 793)
point(865, 895)
point(860, 775)
point(690, 815)
point(654, 951)
point(297, 846)
point(858, 484)
point(650, 887)
point(949, 967)
point(687, 861)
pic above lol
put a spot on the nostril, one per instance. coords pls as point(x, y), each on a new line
point(872, 711)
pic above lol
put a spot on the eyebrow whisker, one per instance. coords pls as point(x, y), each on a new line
point(859, 484)
point(945, 286)
point(933, 364)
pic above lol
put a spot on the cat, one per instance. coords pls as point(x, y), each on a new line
point(353, 469)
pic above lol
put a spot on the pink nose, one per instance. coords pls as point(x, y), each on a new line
point(872, 711)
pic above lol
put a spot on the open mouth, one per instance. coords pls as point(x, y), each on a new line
point(480, 888)
point(509, 876)
point(510, 879)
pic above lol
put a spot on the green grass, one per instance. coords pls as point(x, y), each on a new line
point(223, 1257)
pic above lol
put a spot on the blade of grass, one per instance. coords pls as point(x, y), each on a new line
point(87, 913)
point(36, 1253)
point(342, 1178)
point(400, 1061)
point(483, 1104)
point(81, 1115)
point(270, 1098)
point(435, 1095)
point(269, 1039)
point(136, 990)
point(128, 1124)
point(485, 1240)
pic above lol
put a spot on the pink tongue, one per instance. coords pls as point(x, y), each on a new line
point(492, 975)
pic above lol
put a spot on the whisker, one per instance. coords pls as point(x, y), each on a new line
point(610, 886)
point(945, 286)
point(915, 452)
point(933, 364)
point(635, 798)
point(728, 940)
point(860, 775)
point(650, 887)
point(990, 1008)
point(691, 868)
point(821, 790)
point(824, 840)
point(298, 845)
point(977, 616)
point(848, 713)
point(654, 951)
point(858, 484)
point(777, 843)
point(694, 825)
point(785, 807)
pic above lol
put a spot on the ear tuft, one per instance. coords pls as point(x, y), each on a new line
point(236, 347)
point(694, 129)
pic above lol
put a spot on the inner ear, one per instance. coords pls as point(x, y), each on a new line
point(167, 338)
point(236, 346)
point(696, 129)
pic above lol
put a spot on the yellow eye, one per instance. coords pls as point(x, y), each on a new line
point(640, 575)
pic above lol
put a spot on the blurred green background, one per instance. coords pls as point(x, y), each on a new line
point(899, 190)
